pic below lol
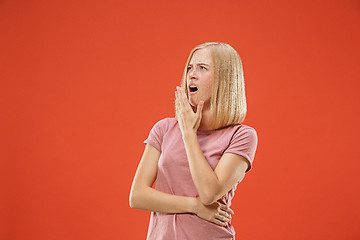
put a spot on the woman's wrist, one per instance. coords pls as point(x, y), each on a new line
point(192, 205)
point(188, 134)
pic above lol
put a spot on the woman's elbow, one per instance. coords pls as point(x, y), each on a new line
point(208, 199)
point(133, 199)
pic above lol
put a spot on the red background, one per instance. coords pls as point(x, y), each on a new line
point(83, 82)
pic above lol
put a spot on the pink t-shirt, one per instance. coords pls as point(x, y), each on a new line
point(174, 176)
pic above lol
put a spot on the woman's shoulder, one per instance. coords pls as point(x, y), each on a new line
point(246, 128)
point(242, 130)
point(166, 123)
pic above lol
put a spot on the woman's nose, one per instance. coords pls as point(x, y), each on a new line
point(193, 74)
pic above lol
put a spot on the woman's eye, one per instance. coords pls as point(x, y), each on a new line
point(188, 68)
point(202, 67)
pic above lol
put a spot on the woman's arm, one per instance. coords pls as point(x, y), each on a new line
point(143, 196)
point(211, 185)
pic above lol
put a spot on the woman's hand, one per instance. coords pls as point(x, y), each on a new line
point(217, 213)
point(187, 119)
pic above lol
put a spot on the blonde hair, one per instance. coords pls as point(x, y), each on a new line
point(228, 100)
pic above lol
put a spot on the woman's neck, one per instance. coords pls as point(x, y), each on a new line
point(205, 123)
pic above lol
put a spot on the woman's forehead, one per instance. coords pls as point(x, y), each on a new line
point(201, 56)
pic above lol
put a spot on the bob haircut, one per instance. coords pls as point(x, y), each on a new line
point(228, 100)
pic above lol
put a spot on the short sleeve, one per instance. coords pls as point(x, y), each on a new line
point(244, 143)
point(156, 134)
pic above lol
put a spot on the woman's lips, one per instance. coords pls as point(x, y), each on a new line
point(192, 89)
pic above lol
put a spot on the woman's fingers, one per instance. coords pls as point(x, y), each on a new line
point(176, 105)
point(218, 222)
point(179, 99)
point(223, 217)
point(214, 213)
point(183, 98)
point(226, 209)
point(225, 212)
point(229, 210)
point(185, 115)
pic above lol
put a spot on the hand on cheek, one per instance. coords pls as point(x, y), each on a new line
point(187, 119)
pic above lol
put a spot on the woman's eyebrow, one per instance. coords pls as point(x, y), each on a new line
point(190, 64)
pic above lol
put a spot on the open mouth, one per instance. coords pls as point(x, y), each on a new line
point(193, 88)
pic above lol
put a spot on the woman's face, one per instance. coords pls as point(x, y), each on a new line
point(200, 77)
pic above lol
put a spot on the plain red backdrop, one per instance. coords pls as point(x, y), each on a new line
point(83, 82)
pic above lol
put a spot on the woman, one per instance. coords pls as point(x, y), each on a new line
point(199, 157)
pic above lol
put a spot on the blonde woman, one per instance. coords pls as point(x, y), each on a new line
point(198, 158)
